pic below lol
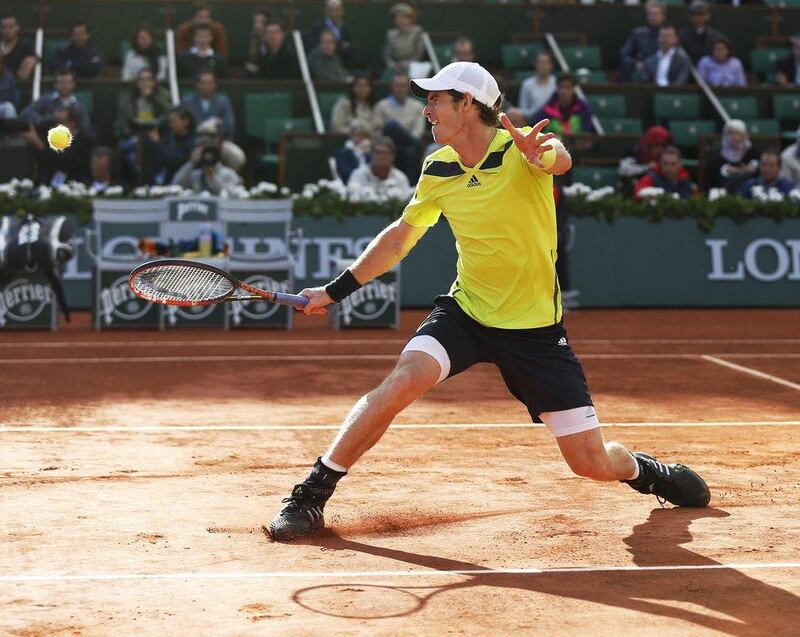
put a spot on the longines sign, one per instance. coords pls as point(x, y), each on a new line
point(764, 259)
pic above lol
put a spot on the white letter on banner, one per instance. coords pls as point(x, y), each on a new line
point(718, 263)
point(794, 246)
point(328, 255)
point(751, 262)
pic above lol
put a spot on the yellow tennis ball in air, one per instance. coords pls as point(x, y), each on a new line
point(59, 138)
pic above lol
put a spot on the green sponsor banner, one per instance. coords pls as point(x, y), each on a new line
point(674, 264)
point(26, 301)
point(117, 306)
point(375, 304)
point(194, 316)
point(261, 313)
point(630, 262)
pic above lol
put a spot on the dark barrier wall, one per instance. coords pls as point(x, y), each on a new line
point(628, 263)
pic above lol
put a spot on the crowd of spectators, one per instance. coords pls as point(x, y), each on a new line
point(194, 142)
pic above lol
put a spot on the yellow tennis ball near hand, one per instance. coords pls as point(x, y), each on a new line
point(59, 138)
point(548, 158)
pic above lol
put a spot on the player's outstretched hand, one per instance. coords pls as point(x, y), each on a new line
point(317, 300)
point(533, 144)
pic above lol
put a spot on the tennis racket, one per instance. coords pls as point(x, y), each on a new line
point(186, 283)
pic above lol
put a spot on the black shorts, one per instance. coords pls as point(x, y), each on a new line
point(538, 365)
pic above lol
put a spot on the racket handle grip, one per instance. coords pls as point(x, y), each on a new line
point(291, 299)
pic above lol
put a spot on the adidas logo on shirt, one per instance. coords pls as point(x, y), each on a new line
point(562, 342)
point(473, 181)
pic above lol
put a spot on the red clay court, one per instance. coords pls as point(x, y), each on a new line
point(136, 478)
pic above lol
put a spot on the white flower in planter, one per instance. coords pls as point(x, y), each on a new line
point(794, 194)
point(27, 184)
point(141, 191)
point(577, 189)
point(651, 192)
point(717, 193)
point(600, 193)
point(113, 191)
point(44, 193)
point(773, 194)
point(284, 191)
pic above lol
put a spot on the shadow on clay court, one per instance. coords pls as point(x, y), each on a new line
point(725, 600)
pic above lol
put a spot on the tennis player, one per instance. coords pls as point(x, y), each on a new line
point(495, 186)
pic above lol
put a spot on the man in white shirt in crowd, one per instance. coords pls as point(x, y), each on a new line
point(535, 91)
point(670, 66)
point(380, 175)
point(399, 116)
point(790, 160)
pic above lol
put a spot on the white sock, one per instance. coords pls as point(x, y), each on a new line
point(337, 467)
point(636, 473)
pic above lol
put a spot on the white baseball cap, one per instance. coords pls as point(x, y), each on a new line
point(464, 77)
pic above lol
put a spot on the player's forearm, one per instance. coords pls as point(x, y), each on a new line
point(383, 253)
point(563, 161)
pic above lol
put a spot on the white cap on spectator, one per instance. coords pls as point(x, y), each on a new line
point(735, 125)
point(464, 77)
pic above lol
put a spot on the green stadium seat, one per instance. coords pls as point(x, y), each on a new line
point(783, 4)
point(595, 177)
point(762, 61)
point(276, 127)
point(686, 133)
point(741, 107)
point(676, 106)
point(51, 47)
point(593, 77)
point(621, 125)
point(518, 56)
point(260, 107)
point(444, 52)
point(763, 127)
point(608, 105)
point(327, 100)
point(786, 107)
point(87, 99)
point(582, 57)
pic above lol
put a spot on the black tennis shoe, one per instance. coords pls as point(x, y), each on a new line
point(674, 483)
point(301, 514)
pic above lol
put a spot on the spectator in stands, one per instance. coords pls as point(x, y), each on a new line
point(698, 38)
point(101, 168)
point(769, 176)
point(380, 175)
point(57, 168)
point(184, 37)
point(202, 56)
point(276, 58)
point(9, 94)
point(144, 54)
point(324, 63)
point(334, 22)
point(20, 56)
point(669, 66)
point(670, 176)
point(568, 114)
point(537, 89)
point(205, 173)
point(788, 69)
point(355, 107)
point(642, 42)
point(210, 133)
point(644, 157)
point(737, 160)
point(463, 50)
point(404, 43)
point(355, 153)
point(722, 68)
point(63, 96)
point(141, 109)
point(205, 103)
point(399, 117)
point(79, 54)
point(790, 159)
point(260, 19)
point(173, 149)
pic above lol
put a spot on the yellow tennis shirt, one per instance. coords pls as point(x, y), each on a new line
point(502, 214)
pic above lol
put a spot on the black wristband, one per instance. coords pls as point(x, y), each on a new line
point(342, 286)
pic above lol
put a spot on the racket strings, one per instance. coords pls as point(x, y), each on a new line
point(182, 283)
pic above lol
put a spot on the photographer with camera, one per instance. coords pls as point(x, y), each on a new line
point(204, 172)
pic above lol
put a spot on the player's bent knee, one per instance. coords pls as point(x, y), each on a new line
point(414, 375)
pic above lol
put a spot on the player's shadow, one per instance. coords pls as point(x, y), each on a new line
point(721, 599)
